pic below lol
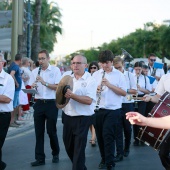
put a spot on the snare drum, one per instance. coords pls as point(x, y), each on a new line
point(153, 136)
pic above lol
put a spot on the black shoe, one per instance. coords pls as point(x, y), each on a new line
point(55, 159)
point(38, 163)
point(136, 143)
point(110, 167)
point(102, 164)
point(2, 165)
point(126, 152)
point(118, 158)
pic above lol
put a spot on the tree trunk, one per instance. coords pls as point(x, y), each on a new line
point(35, 42)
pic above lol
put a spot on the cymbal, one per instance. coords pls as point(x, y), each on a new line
point(65, 83)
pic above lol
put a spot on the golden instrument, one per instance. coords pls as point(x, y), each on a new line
point(65, 83)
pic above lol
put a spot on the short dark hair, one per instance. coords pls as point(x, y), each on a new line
point(18, 57)
point(93, 63)
point(138, 64)
point(151, 54)
point(44, 51)
point(105, 56)
point(145, 67)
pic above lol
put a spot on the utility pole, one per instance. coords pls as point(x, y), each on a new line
point(28, 28)
point(14, 35)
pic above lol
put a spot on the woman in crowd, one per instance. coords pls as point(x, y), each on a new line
point(92, 68)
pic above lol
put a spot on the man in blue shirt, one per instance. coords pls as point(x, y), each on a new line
point(14, 71)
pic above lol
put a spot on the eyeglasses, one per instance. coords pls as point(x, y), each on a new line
point(118, 68)
point(77, 63)
point(39, 59)
point(153, 60)
point(93, 67)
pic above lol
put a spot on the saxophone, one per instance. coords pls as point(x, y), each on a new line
point(99, 94)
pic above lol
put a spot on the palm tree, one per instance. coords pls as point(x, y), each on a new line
point(46, 28)
point(35, 42)
point(50, 25)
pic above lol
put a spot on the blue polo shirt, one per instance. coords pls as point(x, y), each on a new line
point(15, 67)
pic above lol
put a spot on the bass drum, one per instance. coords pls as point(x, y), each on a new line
point(152, 136)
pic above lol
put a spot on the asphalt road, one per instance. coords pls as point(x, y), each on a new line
point(18, 152)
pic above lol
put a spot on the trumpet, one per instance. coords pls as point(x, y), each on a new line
point(33, 95)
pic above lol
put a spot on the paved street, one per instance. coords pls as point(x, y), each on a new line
point(18, 152)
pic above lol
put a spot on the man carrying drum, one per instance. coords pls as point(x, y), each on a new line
point(164, 122)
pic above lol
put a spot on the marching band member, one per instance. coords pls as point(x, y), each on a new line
point(78, 112)
point(127, 105)
point(111, 88)
point(45, 110)
point(7, 90)
point(143, 87)
point(157, 73)
point(163, 122)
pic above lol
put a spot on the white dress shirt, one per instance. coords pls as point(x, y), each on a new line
point(131, 84)
point(163, 85)
point(143, 82)
point(109, 99)
point(84, 86)
point(159, 72)
point(51, 75)
point(7, 89)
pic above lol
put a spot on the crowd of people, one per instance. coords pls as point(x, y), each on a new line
point(106, 100)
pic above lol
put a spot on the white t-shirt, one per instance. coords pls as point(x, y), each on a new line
point(51, 75)
point(26, 73)
point(109, 99)
point(84, 86)
point(7, 88)
point(163, 85)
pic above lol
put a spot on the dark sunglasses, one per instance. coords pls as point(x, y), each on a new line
point(153, 60)
point(93, 67)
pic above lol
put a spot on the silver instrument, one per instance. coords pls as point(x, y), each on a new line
point(99, 93)
point(33, 95)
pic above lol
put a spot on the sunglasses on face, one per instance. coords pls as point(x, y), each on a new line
point(152, 60)
point(93, 67)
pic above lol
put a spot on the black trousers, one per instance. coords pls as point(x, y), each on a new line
point(141, 109)
point(127, 129)
point(164, 153)
point(75, 130)
point(106, 124)
point(45, 113)
point(4, 125)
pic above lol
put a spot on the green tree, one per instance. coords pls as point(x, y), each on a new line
point(50, 25)
point(46, 26)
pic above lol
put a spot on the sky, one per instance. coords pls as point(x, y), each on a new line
point(90, 23)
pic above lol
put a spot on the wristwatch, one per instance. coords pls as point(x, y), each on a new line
point(46, 84)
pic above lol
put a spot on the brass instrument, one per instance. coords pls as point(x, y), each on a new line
point(126, 56)
point(33, 95)
point(99, 93)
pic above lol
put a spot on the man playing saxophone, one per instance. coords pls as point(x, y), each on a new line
point(107, 115)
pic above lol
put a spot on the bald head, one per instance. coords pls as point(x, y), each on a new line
point(83, 58)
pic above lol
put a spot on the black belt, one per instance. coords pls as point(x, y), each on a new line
point(46, 100)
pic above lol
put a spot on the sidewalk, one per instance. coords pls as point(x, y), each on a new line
point(26, 124)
